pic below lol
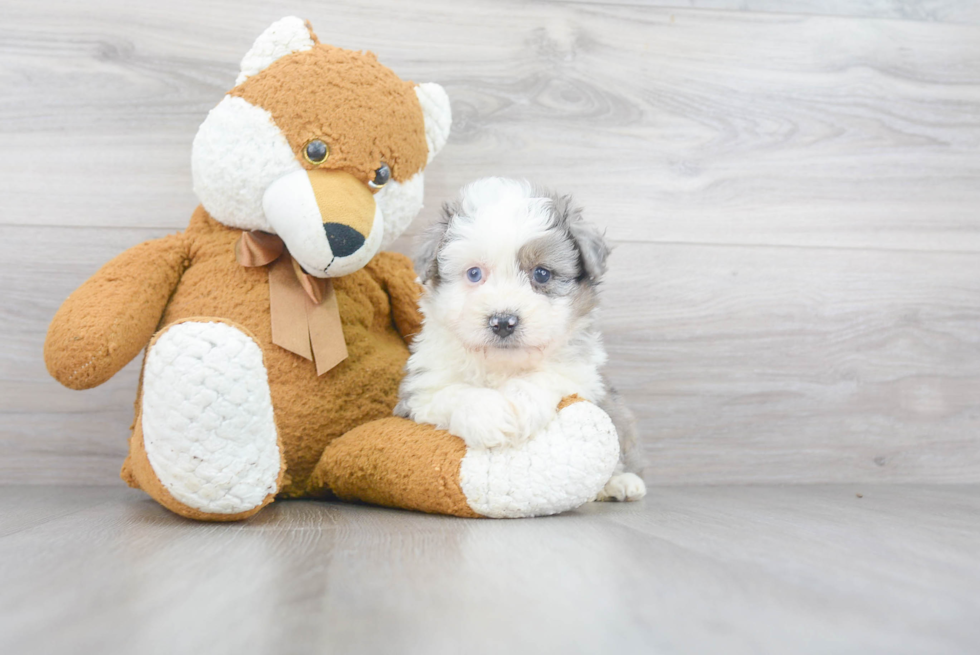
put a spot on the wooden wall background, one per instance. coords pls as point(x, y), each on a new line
point(794, 189)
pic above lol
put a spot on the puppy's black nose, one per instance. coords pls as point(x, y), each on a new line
point(343, 239)
point(503, 325)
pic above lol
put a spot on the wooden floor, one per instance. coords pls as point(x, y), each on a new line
point(751, 569)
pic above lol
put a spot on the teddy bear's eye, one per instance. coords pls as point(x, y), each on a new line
point(316, 152)
point(381, 176)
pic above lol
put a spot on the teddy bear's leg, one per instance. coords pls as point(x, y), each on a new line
point(204, 443)
point(399, 463)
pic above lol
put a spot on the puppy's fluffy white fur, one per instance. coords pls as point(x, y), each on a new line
point(511, 276)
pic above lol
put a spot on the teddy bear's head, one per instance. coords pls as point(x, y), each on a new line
point(322, 146)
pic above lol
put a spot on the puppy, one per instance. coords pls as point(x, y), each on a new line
point(511, 277)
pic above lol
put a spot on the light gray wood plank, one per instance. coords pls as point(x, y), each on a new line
point(669, 125)
point(718, 569)
point(811, 365)
point(749, 364)
point(41, 504)
point(942, 11)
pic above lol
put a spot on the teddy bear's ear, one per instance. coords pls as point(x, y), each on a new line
point(438, 115)
point(285, 36)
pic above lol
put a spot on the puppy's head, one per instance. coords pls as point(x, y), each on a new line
point(508, 268)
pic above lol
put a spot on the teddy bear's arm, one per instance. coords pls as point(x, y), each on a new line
point(395, 272)
point(113, 315)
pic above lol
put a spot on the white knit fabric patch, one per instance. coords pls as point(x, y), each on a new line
point(562, 467)
point(208, 425)
point(238, 152)
point(284, 37)
point(400, 203)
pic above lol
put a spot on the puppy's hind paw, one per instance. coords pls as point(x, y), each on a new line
point(623, 487)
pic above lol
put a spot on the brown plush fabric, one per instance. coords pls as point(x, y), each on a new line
point(310, 410)
point(363, 111)
point(108, 320)
point(403, 288)
point(309, 28)
point(367, 115)
point(397, 463)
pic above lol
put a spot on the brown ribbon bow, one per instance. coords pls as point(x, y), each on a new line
point(305, 315)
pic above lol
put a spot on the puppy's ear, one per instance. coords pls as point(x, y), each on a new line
point(592, 247)
point(589, 240)
point(430, 243)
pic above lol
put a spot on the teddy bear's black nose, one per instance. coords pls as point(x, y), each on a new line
point(343, 239)
point(503, 325)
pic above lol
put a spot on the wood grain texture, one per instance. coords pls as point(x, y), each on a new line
point(941, 11)
point(688, 570)
point(707, 127)
point(795, 292)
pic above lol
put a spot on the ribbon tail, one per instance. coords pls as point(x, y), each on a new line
point(326, 333)
point(287, 304)
point(305, 315)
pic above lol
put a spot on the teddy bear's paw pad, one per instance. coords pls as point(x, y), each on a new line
point(207, 418)
point(623, 487)
point(562, 467)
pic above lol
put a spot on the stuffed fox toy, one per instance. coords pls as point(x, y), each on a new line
point(276, 329)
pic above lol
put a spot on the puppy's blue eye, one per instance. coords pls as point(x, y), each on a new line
point(542, 275)
point(474, 274)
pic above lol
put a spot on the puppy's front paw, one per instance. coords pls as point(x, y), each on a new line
point(623, 486)
point(534, 407)
point(485, 419)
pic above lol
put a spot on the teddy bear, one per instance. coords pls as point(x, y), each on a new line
point(276, 328)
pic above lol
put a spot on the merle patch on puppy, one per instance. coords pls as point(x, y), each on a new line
point(511, 278)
